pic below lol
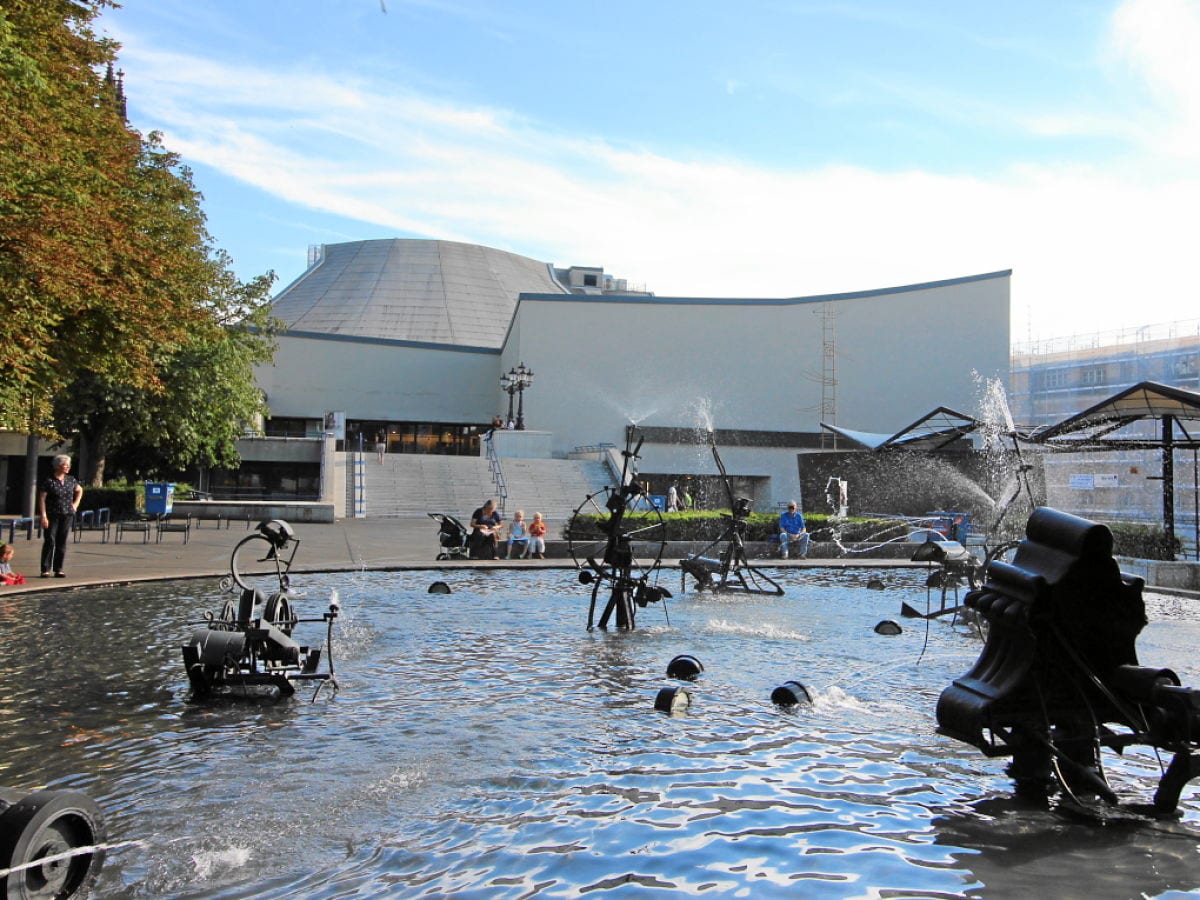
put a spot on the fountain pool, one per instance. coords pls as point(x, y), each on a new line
point(484, 744)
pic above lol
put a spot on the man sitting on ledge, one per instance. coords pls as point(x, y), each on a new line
point(792, 528)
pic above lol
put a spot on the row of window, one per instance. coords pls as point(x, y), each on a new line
point(1181, 369)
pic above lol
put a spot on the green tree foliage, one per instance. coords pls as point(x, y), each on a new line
point(121, 317)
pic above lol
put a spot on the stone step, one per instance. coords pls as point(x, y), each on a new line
point(413, 485)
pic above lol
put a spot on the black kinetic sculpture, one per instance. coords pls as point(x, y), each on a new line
point(246, 652)
point(731, 570)
point(51, 844)
point(616, 538)
point(1058, 678)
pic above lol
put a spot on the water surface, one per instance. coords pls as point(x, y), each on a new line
point(484, 744)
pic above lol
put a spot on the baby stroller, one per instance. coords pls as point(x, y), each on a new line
point(452, 536)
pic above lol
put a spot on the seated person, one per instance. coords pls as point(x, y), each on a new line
point(518, 536)
point(7, 575)
point(792, 528)
point(537, 537)
point(485, 531)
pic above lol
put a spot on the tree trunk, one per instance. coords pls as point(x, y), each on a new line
point(93, 449)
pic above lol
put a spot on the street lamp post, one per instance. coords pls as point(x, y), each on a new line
point(524, 380)
point(509, 386)
point(514, 381)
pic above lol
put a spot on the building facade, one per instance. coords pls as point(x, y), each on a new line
point(409, 339)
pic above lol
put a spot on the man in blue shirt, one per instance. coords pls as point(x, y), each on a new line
point(792, 528)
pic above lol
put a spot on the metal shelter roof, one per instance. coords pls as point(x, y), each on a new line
point(935, 430)
point(1146, 416)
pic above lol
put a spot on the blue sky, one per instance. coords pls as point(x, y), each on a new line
point(766, 149)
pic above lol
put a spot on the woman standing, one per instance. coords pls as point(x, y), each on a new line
point(58, 501)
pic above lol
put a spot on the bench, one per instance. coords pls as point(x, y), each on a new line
point(166, 525)
point(140, 526)
point(93, 520)
point(28, 524)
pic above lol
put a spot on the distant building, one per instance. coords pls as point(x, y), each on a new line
point(1053, 379)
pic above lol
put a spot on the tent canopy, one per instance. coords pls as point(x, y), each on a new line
point(1145, 416)
point(933, 431)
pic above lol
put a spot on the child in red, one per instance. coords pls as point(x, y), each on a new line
point(537, 537)
point(7, 575)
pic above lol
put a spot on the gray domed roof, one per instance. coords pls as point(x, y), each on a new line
point(439, 292)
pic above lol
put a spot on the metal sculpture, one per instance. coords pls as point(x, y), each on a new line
point(245, 651)
point(1058, 678)
point(616, 538)
point(950, 564)
point(51, 844)
point(731, 570)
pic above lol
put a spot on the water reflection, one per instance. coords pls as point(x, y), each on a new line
point(484, 743)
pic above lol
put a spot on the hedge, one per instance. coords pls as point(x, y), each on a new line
point(1143, 541)
point(708, 525)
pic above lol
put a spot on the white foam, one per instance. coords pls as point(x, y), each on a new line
point(761, 631)
point(208, 861)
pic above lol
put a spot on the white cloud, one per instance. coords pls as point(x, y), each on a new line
point(1160, 41)
point(1090, 248)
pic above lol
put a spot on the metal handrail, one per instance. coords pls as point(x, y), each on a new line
point(496, 470)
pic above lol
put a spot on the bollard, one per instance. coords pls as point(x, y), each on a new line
point(791, 693)
point(685, 668)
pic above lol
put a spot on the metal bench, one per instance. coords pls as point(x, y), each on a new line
point(140, 526)
point(93, 520)
point(166, 524)
point(28, 524)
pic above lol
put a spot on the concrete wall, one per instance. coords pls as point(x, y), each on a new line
point(520, 444)
point(1122, 486)
point(380, 381)
point(745, 364)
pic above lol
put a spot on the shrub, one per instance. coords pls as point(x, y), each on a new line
point(1143, 541)
point(120, 500)
point(708, 525)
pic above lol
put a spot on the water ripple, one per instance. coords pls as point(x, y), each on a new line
point(484, 744)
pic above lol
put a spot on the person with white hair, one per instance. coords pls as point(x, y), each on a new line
point(58, 501)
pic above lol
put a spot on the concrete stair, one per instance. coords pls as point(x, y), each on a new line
point(553, 487)
point(411, 485)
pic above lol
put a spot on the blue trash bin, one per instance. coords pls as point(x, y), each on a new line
point(159, 498)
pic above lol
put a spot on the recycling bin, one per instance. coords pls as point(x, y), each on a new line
point(159, 498)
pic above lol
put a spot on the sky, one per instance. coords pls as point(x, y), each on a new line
point(764, 148)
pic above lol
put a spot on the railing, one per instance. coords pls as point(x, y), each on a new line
point(360, 484)
point(594, 448)
point(497, 472)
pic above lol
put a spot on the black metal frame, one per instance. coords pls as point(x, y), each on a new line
point(731, 572)
point(239, 653)
point(627, 591)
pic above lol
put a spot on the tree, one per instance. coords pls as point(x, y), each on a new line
point(207, 397)
point(118, 304)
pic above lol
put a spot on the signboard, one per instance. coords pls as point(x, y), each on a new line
point(1082, 482)
point(1106, 481)
point(335, 424)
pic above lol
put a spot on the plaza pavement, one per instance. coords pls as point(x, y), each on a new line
point(349, 545)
